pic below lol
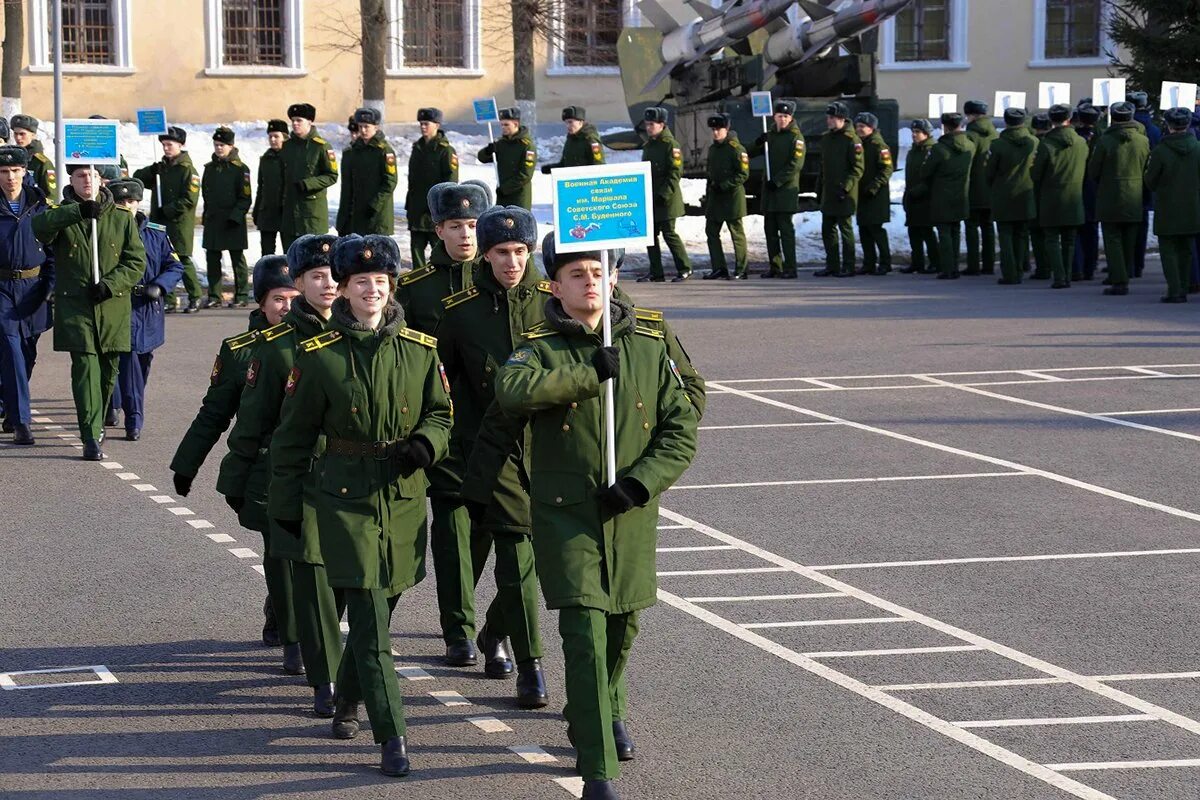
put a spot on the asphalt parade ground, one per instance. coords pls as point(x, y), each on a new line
point(941, 541)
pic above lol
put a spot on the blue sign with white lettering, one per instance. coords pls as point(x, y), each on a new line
point(761, 104)
point(606, 206)
point(91, 141)
point(486, 110)
point(152, 121)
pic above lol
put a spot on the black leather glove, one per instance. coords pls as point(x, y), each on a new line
point(761, 140)
point(475, 511)
point(152, 290)
point(232, 223)
point(842, 194)
point(100, 292)
point(416, 453)
point(623, 495)
point(89, 209)
point(183, 483)
point(607, 361)
point(300, 187)
point(292, 526)
point(545, 169)
point(235, 502)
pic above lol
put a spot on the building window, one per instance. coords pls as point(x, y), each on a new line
point(590, 32)
point(87, 29)
point(254, 33)
point(95, 35)
point(927, 34)
point(1071, 33)
point(434, 37)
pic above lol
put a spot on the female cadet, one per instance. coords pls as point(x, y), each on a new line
point(377, 392)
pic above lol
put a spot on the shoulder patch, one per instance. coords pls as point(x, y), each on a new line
point(519, 356)
point(42, 157)
point(275, 331)
point(320, 340)
point(241, 340)
point(858, 148)
point(154, 226)
point(653, 333)
point(417, 336)
point(414, 275)
point(215, 375)
point(252, 373)
point(648, 314)
point(319, 140)
point(458, 298)
point(543, 286)
point(293, 379)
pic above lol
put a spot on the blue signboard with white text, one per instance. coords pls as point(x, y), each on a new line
point(486, 110)
point(607, 206)
point(762, 104)
point(152, 121)
point(91, 141)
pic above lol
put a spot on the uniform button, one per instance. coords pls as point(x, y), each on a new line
point(354, 409)
point(488, 370)
point(558, 499)
point(646, 426)
point(639, 405)
point(483, 384)
point(343, 490)
point(566, 427)
point(404, 410)
point(574, 405)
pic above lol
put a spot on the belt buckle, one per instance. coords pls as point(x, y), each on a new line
point(380, 451)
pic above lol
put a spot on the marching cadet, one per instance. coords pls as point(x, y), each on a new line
point(981, 232)
point(841, 170)
point(874, 196)
point(296, 564)
point(368, 180)
point(148, 324)
point(481, 327)
point(433, 161)
point(1009, 177)
point(515, 156)
point(274, 292)
point(309, 168)
point(582, 147)
point(1087, 240)
point(1173, 174)
point(91, 319)
point(370, 503)
point(946, 187)
point(26, 283)
point(921, 234)
point(725, 203)
point(1144, 116)
point(226, 190)
point(40, 168)
point(1117, 165)
point(594, 535)
point(175, 186)
point(455, 209)
point(1058, 172)
point(268, 202)
point(666, 168)
point(781, 191)
point(1041, 272)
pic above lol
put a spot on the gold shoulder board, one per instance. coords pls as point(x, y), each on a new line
point(417, 336)
point(320, 340)
point(241, 340)
point(543, 286)
point(648, 314)
point(651, 332)
point(275, 331)
point(538, 333)
point(459, 298)
point(414, 275)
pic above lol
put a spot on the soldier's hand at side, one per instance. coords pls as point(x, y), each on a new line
point(100, 292)
point(292, 526)
point(622, 496)
point(152, 290)
point(842, 194)
point(235, 502)
point(607, 361)
point(89, 209)
point(415, 454)
point(183, 483)
point(300, 187)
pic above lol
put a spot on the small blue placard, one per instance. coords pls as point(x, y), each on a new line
point(486, 110)
point(152, 121)
point(91, 141)
point(605, 206)
point(762, 104)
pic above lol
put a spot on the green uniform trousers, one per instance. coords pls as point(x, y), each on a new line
point(419, 244)
point(716, 252)
point(948, 243)
point(318, 611)
point(837, 233)
point(781, 242)
point(1060, 251)
point(1176, 255)
point(1120, 244)
point(281, 593)
point(514, 611)
point(1014, 249)
point(596, 650)
point(981, 243)
point(923, 241)
point(1037, 239)
point(267, 238)
point(93, 377)
point(877, 250)
point(241, 275)
point(450, 543)
point(368, 672)
point(191, 283)
point(666, 229)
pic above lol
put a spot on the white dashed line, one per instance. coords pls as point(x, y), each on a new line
point(819, 481)
point(413, 673)
point(260, 569)
point(1090, 765)
point(697, 549)
point(42, 419)
point(449, 698)
point(111, 465)
point(243, 552)
point(180, 511)
point(128, 476)
point(162, 498)
point(533, 754)
point(737, 571)
point(221, 538)
point(817, 623)
point(489, 724)
point(572, 785)
point(756, 597)
point(934, 562)
point(145, 487)
point(199, 523)
point(894, 651)
point(1021, 723)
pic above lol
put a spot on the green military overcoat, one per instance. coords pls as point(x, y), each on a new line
point(226, 192)
point(432, 161)
point(268, 202)
point(582, 148)
point(1118, 164)
point(421, 291)
point(841, 169)
point(781, 192)
point(666, 168)
point(1173, 174)
point(1058, 171)
point(368, 182)
point(981, 132)
point(728, 170)
point(43, 171)
point(874, 193)
point(916, 205)
point(516, 158)
point(176, 208)
point(309, 168)
point(1009, 175)
point(946, 179)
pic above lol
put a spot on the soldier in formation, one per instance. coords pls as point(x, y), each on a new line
point(1173, 175)
point(841, 170)
point(226, 192)
point(728, 170)
point(1058, 170)
point(1117, 166)
point(874, 196)
point(40, 168)
point(666, 168)
point(946, 187)
point(784, 148)
point(267, 213)
point(309, 169)
point(433, 161)
point(1012, 199)
point(981, 232)
point(174, 187)
point(922, 236)
point(368, 179)
point(582, 147)
point(515, 156)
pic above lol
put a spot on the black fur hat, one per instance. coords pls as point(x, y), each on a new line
point(13, 156)
point(126, 189)
point(922, 125)
point(368, 116)
point(354, 255)
point(655, 114)
point(952, 120)
point(24, 122)
point(1088, 115)
point(429, 115)
point(785, 107)
point(1059, 114)
point(451, 200)
point(574, 112)
point(512, 113)
point(223, 135)
point(1014, 117)
point(975, 107)
point(310, 251)
point(837, 109)
point(501, 224)
point(1177, 118)
point(174, 134)
point(868, 119)
point(277, 126)
point(1122, 111)
point(271, 272)
point(717, 121)
point(305, 110)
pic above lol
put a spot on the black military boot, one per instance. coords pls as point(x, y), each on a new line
point(270, 631)
point(323, 701)
point(531, 685)
point(496, 662)
point(461, 653)
point(345, 719)
point(623, 740)
point(293, 661)
point(92, 451)
point(599, 790)
point(22, 434)
point(395, 757)
point(1118, 289)
point(110, 418)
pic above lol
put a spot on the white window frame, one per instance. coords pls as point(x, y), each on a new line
point(1039, 60)
point(472, 45)
point(40, 61)
point(556, 66)
point(959, 59)
point(214, 50)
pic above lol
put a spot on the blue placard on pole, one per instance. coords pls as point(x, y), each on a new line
point(486, 110)
point(91, 141)
point(762, 104)
point(152, 121)
point(606, 206)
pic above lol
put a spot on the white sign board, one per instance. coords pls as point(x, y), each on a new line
point(1053, 94)
point(942, 104)
point(1006, 100)
point(1106, 91)
point(1177, 95)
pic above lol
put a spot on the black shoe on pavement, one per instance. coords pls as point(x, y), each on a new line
point(496, 661)
point(270, 631)
point(531, 685)
point(345, 719)
point(651, 279)
point(771, 274)
point(1118, 289)
point(7, 427)
point(110, 418)
point(92, 451)
point(741, 276)
point(1061, 285)
point(293, 661)
point(624, 742)
point(681, 277)
point(788, 276)
point(1180, 298)
point(133, 434)
point(22, 434)
point(824, 273)
point(324, 701)
point(394, 762)
point(599, 790)
point(461, 653)
point(716, 274)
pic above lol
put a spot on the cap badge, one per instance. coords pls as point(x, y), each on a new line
point(366, 255)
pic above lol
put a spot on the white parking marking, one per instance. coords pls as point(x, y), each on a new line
point(449, 698)
point(766, 425)
point(489, 724)
point(572, 785)
point(162, 498)
point(111, 465)
point(895, 651)
point(1156, 764)
point(887, 479)
point(737, 571)
point(1147, 411)
point(963, 374)
point(243, 552)
point(671, 527)
point(756, 597)
point(1138, 676)
point(533, 754)
point(42, 419)
point(181, 511)
point(697, 549)
point(1044, 377)
point(817, 623)
point(199, 523)
point(128, 476)
point(1148, 371)
point(1021, 723)
point(103, 675)
point(220, 537)
point(413, 673)
point(145, 487)
point(260, 569)
point(935, 562)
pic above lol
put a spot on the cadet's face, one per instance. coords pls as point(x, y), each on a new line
point(171, 148)
point(275, 140)
point(10, 181)
point(22, 137)
point(863, 130)
point(277, 303)
point(654, 128)
point(509, 126)
point(85, 182)
point(459, 237)
point(301, 126)
point(429, 129)
point(578, 286)
point(366, 131)
point(129, 205)
point(783, 121)
point(835, 123)
point(319, 287)
point(367, 292)
point(508, 262)
point(574, 125)
point(920, 136)
point(221, 149)
point(719, 134)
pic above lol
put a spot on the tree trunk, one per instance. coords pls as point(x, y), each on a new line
point(524, 23)
point(374, 51)
point(14, 54)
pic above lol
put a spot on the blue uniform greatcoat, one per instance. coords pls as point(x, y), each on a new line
point(24, 313)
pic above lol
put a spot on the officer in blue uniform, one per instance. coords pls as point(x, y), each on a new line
point(148, 323)
point(26, 283)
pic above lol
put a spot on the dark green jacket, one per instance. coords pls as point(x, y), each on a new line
point(246, 468)
point(586, 557)
point(176, 209)
point(1058, 171)
point(421, 291)
point(81, 326)
point(433, 161)
point(916, 206)
point(268, 202)
point(981, 132)
point(728, 169)
point(43, 170)
point(1118, 165)
point(581, 149)
point(368, 182)
point(874, 192)
point(516, 159)
point(841, 170)
point(666, 168)
point(309, 161)
point(361, 386)
point(781, 192)
point(226, 191)
point(946, 179)
point(1009, 175)
point(1173, 174)
point(221, 401)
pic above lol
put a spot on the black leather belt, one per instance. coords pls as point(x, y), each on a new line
point(380, 451)
point(19, 274)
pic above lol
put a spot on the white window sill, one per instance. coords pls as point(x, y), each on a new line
point(564, 71)
point(924, 66)
point(83, 69)
point(255, 72)
point(1059, 63)
point(434, 72)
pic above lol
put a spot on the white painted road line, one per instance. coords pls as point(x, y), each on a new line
point(145, 487)
point(449, 698)
point(756, 597)
point(413, 673)
point(936, 562)
point(1083, 766)
point(1149, 676)
point(221, 538)
point(704, 548)
point(887, 479)
point(181, 511)
point(128, 476)
point(671, 527)
point(1148, 411)
point(1042, 376)
point(1140, 676)
point(738, 571)
point(895, 651)
point(243, 552)
point(1148, 371)
point(42, 419)
point(962, 374)
point(199, 523)
point(572, 785)
point(111, 465)
point(489, 724)
point(766, 425)
point(162, 498)
point(1021, 723)
point(103, 676)
point(817, 623)
point(533, 754)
